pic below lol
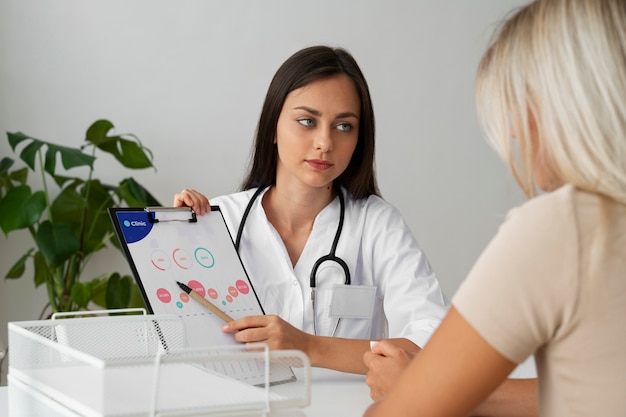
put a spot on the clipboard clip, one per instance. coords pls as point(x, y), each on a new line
point(171, 214)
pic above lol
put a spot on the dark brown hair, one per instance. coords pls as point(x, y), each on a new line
point(302, 68)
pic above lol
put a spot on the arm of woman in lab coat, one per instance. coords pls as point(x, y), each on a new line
point(343, 354)
point(337, 353)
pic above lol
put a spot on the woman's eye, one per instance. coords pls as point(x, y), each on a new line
point(344, 127)
point(306, 122)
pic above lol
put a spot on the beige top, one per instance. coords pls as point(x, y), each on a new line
point(552, 283)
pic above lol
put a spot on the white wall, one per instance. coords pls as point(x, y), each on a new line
point(188, 77)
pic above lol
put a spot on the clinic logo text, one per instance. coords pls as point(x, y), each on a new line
point(134, 223)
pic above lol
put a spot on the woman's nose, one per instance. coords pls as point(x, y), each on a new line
point(324, 141)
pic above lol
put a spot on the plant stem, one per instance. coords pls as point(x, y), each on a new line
point(45, 184)
point(75, 262)
point(52, 299)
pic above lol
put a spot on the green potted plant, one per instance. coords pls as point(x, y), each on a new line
point(68, 227)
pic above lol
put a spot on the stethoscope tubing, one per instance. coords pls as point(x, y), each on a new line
point(330, 257)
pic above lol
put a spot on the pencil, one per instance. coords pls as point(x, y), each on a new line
point(219, 313)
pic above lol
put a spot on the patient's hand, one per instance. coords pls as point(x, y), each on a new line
point(385, 363)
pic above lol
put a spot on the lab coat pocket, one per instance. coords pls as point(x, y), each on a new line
point(352, 301)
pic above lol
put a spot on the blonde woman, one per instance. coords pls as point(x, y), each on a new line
point(551, 93)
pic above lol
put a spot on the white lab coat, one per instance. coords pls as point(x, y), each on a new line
point(393, 291)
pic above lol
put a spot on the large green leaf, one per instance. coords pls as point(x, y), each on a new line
point(29, 153)
point(68, 208)
point(98, 290)
point(86, 215)
point(5, 165)
point(136, 195)
point(129, 153)
point(19, 175)
point(118, 291)
point(5, 177)
point(98, 131)
point(20, 208)
point(56, 242)
point(81, 294)
point(42, 272)
point(99, 225)
point(61, 180)
point(10, 180)
point(17, 270)
point(136, 300)
point(70, 157)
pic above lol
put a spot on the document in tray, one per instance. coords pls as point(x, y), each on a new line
point(165, 246)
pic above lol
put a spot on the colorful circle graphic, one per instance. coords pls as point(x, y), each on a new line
point(160, 260)
point(211, 292)
point(182, 258)
point(204, 257)
point(242, 286)
point(164, 295)
point(197, 287)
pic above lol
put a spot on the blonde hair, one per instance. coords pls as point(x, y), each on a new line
point(557, 69)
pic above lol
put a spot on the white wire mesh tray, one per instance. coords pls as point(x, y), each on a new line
point(127, 366)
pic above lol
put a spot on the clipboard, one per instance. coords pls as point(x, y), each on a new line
point(167, 245)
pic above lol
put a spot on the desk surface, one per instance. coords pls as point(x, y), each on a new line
point(332, 394)
point(337, 394)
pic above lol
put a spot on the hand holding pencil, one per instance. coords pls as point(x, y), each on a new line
point(214, 309)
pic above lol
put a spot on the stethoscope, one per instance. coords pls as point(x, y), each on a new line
point(331, 257)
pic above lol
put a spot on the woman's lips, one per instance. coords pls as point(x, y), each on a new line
point(319, 164)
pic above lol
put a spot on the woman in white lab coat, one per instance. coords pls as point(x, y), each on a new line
point(314, 153)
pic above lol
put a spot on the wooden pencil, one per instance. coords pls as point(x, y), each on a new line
point(214, 309)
